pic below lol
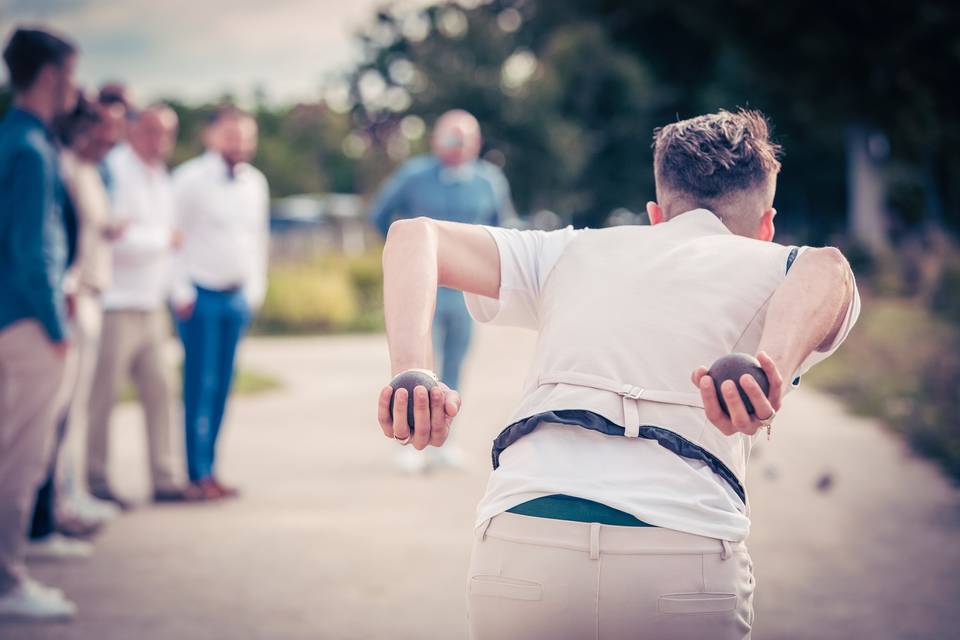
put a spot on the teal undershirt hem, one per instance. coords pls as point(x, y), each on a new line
point(562, 507)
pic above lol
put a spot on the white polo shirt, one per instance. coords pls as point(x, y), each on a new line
point(636, 475)
point(225, 225)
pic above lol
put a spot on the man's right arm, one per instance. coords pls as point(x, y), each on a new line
point(32, 258)
point(420, 255)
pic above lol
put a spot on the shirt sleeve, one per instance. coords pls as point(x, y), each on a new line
point(526, 259)
point(141, 240)
point(33, 259)
point(182, 291)
point(850, 319)
point(255, 288)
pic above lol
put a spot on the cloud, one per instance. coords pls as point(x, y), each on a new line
point(198, 49)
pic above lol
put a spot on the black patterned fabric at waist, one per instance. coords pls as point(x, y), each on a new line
point(595, 422)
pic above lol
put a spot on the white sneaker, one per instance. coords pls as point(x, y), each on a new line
point(89, 507)
point(32, 601)
point(411, 461)
point(38, 587)
point(58, 547)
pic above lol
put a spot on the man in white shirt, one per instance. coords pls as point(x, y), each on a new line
point(220, 279)
point(594, 469)
point(135, 324)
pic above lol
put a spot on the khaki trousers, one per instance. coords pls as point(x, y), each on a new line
point(85, 328)
point(131, 344)
point(30, 377)
point(535, 578)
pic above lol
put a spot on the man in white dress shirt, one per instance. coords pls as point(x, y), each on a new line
point(135, 323)
point(617, 506)
point(220, 279)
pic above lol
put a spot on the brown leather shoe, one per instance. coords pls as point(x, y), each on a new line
point(202, 491)
point(225, 491)
point(171, 495)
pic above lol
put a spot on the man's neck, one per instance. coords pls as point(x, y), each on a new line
point(35, 105)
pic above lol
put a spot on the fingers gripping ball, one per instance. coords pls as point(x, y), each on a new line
point(410, 380)
point(732, 367)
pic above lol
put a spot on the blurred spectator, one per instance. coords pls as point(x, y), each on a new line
point(221, 270)
point(115, 94)
point(452, 184)
point(134, 321)
point(36, 240)
point(63, 502)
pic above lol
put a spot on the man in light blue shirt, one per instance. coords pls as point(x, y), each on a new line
point(451, 184)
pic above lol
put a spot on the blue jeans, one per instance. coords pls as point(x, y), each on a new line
point(452, 328)
point(210, 337)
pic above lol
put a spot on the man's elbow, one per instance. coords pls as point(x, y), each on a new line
point(411, 229)
point(834, 267)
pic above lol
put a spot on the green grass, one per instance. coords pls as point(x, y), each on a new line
point(245, 383)
point(901, 364)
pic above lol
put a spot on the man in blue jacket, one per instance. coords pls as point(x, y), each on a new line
point(451, 184)
point(36, 232)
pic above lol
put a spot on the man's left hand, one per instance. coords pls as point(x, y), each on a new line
point(738, 420)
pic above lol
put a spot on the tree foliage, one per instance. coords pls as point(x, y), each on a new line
point(573, 128)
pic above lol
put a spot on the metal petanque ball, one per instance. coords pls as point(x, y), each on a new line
point(409, 380)
point(732, 367)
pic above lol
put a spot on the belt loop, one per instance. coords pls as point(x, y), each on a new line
point(594, 540)
point(481, 531)
point(631, 417)
point(726, 552)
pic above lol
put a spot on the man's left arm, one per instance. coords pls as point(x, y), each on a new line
point(255, 289)
point(389, 201)
point(33, 255)
point(811, 311)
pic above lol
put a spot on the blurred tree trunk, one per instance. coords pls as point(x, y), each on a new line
point(866, 188)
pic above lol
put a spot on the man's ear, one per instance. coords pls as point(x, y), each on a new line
point(655, 213)
point(766, 229)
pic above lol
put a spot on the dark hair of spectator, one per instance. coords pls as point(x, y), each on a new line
point(29, 51)
point(226, 111)
point(83, 116)
point(114, 93)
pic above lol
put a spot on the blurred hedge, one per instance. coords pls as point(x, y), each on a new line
point(329, 294)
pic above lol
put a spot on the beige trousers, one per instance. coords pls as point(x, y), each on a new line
point(131, 344)
point(30, 377)
point(85, 327)
point(534, 578)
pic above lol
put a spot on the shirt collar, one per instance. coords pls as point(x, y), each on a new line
point(214, 159)
point(459, 173)
point(702, 219)
point(29, 118)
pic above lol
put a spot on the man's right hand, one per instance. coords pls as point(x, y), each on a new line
point(432, 415)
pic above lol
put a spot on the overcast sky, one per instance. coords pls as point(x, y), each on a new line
point(200, 49)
